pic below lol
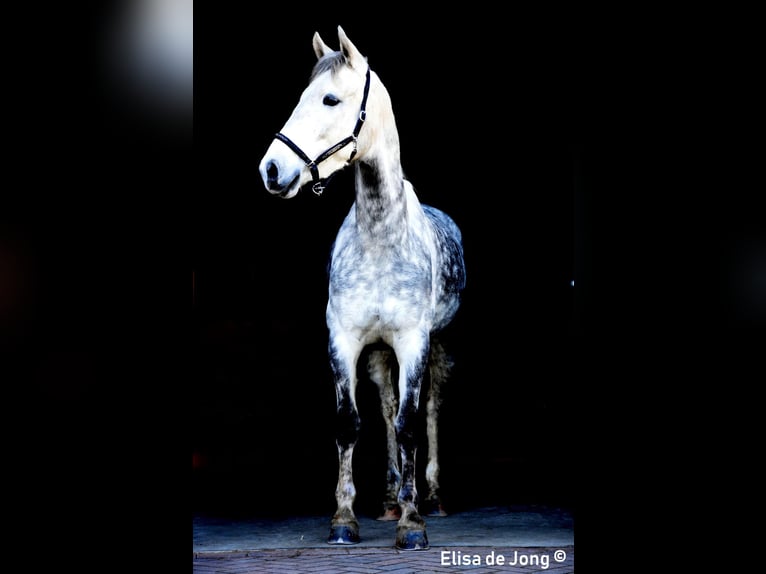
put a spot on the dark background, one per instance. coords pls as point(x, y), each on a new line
point(553, 140)
point(156, 298)
point(491, 132)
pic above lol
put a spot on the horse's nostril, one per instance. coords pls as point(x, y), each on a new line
point(271, 171)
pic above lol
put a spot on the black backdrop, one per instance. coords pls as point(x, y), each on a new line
point(154, 297)
point(490, 119)
point(157, 298)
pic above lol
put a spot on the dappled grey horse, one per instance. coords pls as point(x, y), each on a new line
point(396, 275)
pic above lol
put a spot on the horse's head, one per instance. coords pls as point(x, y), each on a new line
point(319, 137)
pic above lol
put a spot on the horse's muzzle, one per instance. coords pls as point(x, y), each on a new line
point(273, 181)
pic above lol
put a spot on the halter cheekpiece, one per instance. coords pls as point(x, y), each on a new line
point(320, 183)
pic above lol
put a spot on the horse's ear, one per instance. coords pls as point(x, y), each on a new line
point(320, 48)
point(353, 55)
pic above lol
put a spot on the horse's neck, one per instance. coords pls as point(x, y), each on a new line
point(381, 195)
point(381, 200)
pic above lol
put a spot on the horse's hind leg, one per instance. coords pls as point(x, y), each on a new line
point(439, 368)
point(379, 368)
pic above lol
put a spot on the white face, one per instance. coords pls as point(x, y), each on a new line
point(326, 114)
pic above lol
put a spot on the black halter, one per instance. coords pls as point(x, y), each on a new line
point(320, 183)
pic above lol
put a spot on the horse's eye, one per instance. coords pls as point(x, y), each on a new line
point(330, 100)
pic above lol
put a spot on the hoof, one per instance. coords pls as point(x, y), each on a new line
point(411, 539)
point(390, 513)
point(343, 534)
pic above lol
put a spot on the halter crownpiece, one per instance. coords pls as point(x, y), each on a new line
point(321, 183)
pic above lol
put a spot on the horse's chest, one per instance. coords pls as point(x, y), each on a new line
point(378, 293)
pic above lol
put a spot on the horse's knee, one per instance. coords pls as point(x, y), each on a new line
point(405, 431)
point(347, 425)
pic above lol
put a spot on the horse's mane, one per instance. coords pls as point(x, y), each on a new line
point(330, 62)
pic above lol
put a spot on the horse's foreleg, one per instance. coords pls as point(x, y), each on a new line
point(379, 368)
point(411, 528)
point(344, 528)
point(439, 368)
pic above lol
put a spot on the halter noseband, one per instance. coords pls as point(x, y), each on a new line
point(321, 183)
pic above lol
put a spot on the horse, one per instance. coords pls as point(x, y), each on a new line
point(396, 277)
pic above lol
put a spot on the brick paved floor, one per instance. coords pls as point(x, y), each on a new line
point(342, 560)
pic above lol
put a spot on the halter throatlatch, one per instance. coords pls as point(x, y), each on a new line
point(321, 183)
